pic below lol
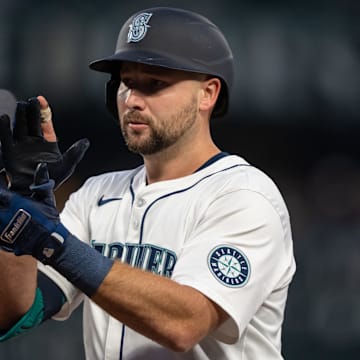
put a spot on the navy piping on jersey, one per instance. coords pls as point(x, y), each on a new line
point(122, 342)
point(211, 161)
point(178, 192)
point(132, 192)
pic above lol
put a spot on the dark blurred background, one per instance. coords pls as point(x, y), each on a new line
point(294, 113)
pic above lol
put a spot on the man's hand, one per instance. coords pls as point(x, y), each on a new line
point(32, 227)
point(25, 146)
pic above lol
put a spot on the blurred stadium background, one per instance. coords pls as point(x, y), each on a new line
point(295, 113)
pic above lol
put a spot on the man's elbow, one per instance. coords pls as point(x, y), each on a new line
point(183, 339)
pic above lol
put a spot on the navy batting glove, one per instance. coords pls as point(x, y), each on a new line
point(3, 176)
point(32, 227)
point(24, 147)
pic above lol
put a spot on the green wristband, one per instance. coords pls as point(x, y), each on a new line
point(31, 319)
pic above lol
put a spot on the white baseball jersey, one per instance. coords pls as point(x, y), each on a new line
point(223, 230)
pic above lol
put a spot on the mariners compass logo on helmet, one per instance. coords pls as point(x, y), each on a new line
point(139, 27)
point(229, 266)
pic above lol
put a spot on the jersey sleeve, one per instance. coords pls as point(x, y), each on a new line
point(236, 256)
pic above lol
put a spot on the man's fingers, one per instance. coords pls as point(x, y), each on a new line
point(42, 186)
point(62, 169)
point(6, 137)
point(33, 117)
point(45, 110)
point(46, 120)
point(43, 102)
point(5, 195)
point(20, 125)
point(41, 175)
point(76, 152)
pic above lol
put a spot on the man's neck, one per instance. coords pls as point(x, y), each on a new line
point(169, 165)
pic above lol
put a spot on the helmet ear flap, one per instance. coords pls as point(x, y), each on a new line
point(112, 87)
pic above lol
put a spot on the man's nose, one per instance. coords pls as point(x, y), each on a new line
point(134, 99)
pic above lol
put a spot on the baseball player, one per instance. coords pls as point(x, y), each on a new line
point(188, 256)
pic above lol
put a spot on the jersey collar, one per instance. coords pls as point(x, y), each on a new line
point(212, 160)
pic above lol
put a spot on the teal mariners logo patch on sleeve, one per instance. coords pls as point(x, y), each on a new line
point(139, 27)
point(229, 266)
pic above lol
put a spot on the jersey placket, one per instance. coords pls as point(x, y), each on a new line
point(116, 331)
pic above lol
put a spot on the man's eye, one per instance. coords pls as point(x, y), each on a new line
point(148, 87)
point(157, 85)
point(129, 84)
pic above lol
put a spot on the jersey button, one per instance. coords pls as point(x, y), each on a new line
point(140, 202)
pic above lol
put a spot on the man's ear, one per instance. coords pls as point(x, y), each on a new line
point(210, 94)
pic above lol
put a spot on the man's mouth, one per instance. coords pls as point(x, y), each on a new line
point(137, 125)
point(136, 122)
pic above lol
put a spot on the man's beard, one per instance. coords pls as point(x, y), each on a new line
point(161, 136)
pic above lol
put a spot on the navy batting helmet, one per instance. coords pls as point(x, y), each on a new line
point(175, 39)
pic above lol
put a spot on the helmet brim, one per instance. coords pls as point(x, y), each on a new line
point(112, 63)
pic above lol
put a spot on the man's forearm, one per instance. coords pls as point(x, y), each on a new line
point(18, 283)
point(171, 314)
